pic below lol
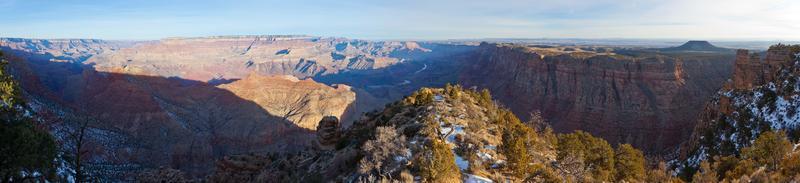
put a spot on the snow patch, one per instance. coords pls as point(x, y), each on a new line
point(462, 163)
point(476, 179)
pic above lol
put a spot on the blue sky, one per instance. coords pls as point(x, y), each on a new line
point(407, 19)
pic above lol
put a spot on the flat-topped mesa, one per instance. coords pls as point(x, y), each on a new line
point(750, 71)
point(647, 101)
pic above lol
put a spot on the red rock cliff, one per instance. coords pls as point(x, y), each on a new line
point(650, 102)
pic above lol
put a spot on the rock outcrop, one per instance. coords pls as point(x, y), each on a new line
point(647, 101)
point(751, 71)
point(303, 102)
point(763, 95)
point(328, 131)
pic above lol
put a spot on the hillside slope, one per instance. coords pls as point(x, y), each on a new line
point(441, 135)
point(763, 95)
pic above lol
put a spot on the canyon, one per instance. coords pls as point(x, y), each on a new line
point(184, 102)
point(649, 101)
point(762, 96)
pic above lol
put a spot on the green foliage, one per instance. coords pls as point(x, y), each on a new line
point(768, 99)
point(421, 97)
point(453, 91)
point(768, 150)
point(9, 94)
point(437, 163)
point(629, 164)
point(485, 98)
point(791, 164)
point(768, 159)
point(743, 167)
point(592, 154)
point(661, 174)
point(515, 147)
point(724, 165)
point(705, 174)
point(23, 146)
point(543, 173)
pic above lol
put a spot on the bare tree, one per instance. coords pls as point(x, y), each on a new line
point(78, 137)
point(77, 124)
point(537, 122)
point(385, 154)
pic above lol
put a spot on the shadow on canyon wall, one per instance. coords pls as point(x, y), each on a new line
point(420, 69)
point(137, 122)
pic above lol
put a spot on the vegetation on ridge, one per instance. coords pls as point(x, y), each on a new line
point(27, 151)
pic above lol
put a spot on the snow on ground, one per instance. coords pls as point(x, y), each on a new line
point(462, 163)
point(451, 131)
point(456, 129)
point(438, 98)
point(698, 157)
point(476, 179)
point(484, 156)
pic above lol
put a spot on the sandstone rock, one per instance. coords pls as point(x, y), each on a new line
point(303, 102)
point(750, 71)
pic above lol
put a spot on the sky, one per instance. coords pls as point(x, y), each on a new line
point(404, 19)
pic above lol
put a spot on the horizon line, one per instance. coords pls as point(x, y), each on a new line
point(416, 39)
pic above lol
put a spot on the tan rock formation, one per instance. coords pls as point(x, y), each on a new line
point(234, 57)
point(303, 102)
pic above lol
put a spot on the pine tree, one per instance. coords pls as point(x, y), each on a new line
point(705, 174)
point(660, 174)
point(485, 99)
point(24, 148)
point(516, 150)
point(437, 163)
point(629, 164)
point(791, 164)
point(581, 153)
point(769, 149)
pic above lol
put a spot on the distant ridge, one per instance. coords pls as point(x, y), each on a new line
point(245, 37)
point(697, 46)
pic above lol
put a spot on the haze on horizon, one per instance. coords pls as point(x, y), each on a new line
point(412, 19)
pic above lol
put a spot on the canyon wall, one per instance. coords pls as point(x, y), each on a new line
point(231, 57)
point(184, 102)
point(651, 102)
point(762, 96)
point(180, 102)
